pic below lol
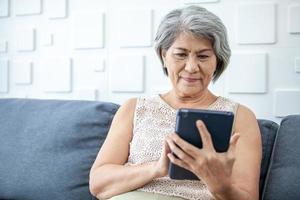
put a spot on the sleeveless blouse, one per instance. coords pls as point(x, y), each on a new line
point(154, 119)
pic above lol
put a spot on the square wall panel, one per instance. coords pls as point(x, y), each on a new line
point(28, 7)
point(25, 39)
point(88, 30)
point(135, 28)
point(4, 8)
point(247, 73)
point(297, 65)
point(95, 63)
point(22, 71)
point(57, 75)
point(256, 23)
point(4, 75)
point(3, 46)
point(85, 94)
point(294, 19)
point(56, 9)
point(127, 73)
point(287, 102)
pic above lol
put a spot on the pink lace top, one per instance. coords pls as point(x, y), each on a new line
point(153, 120)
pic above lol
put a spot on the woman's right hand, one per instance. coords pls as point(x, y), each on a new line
point(162, 165)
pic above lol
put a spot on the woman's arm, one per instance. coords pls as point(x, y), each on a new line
point(230, 175)
point(108, 175)
point(246, 168)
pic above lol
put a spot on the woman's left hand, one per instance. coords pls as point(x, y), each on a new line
point(213, 168)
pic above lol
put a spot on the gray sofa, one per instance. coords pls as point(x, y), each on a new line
point(48, 146)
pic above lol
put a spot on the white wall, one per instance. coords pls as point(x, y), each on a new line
point(103, 50)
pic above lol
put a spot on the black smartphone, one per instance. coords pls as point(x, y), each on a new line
point(218, 123)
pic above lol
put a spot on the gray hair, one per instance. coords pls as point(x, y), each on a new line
point(199, 22)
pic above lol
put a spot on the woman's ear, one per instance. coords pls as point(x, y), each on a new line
point(163, 55)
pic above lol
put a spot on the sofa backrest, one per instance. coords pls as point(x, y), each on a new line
point(283, 178)
point(48, 146)
point(268, 130)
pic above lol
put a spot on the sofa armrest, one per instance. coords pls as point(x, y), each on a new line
point(268, 130)
point(283, 178)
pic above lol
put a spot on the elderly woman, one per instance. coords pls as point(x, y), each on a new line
point(133, 161)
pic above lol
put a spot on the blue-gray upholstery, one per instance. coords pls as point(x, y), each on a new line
point(283, 179)
point(48, 146)
point(268, 130)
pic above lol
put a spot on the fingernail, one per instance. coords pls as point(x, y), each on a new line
point(199, 122)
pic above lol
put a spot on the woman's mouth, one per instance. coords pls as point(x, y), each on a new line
point(190, 80)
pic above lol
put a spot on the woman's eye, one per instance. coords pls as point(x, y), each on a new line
point(203, 56)
point(180, 55)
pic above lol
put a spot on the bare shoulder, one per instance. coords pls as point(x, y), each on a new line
point(115, 147)
point(123, 118)
point(245, 119)
point(126, 109)
point(128, 105)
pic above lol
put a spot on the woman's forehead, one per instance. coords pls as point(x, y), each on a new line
point(185, 41)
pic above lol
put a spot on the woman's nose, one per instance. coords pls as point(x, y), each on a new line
point(191, 66)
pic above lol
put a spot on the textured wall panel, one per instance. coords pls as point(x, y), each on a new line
point(256, 23)
point(22, 71)
point(28, 7)
point(85, 94)
point(160, 90)
point(199, 1)
point(4, 75)
point(25, 39)
point(47, 39)
point(3, 46)
point(88, 30)
point(247, 73)
point(97, 24)
point(56, 9)
point(127, 74)
point(135, 28)
point(297, 65)
point(287, 102)
point(294, 19)
point(4, 8)
point(95, 63)
point(57, 75)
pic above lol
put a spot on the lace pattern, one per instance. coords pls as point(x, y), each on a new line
point(154, 119)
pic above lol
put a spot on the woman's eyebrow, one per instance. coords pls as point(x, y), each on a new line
point(203, 50)
point(199, 51)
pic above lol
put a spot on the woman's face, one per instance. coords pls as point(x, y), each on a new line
point(191, 63)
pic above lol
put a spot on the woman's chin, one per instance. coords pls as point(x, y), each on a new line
point(190, 91)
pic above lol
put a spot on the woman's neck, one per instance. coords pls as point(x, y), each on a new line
point(201, 100)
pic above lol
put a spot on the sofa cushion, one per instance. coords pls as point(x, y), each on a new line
point(283, 179)
point(268, 130)
point(48, 146)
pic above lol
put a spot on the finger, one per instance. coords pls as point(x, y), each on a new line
point(188, 148)
point(176, 149)
point(205, 135)
point(166, 148)
point(178, 162)
point(233, 141)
